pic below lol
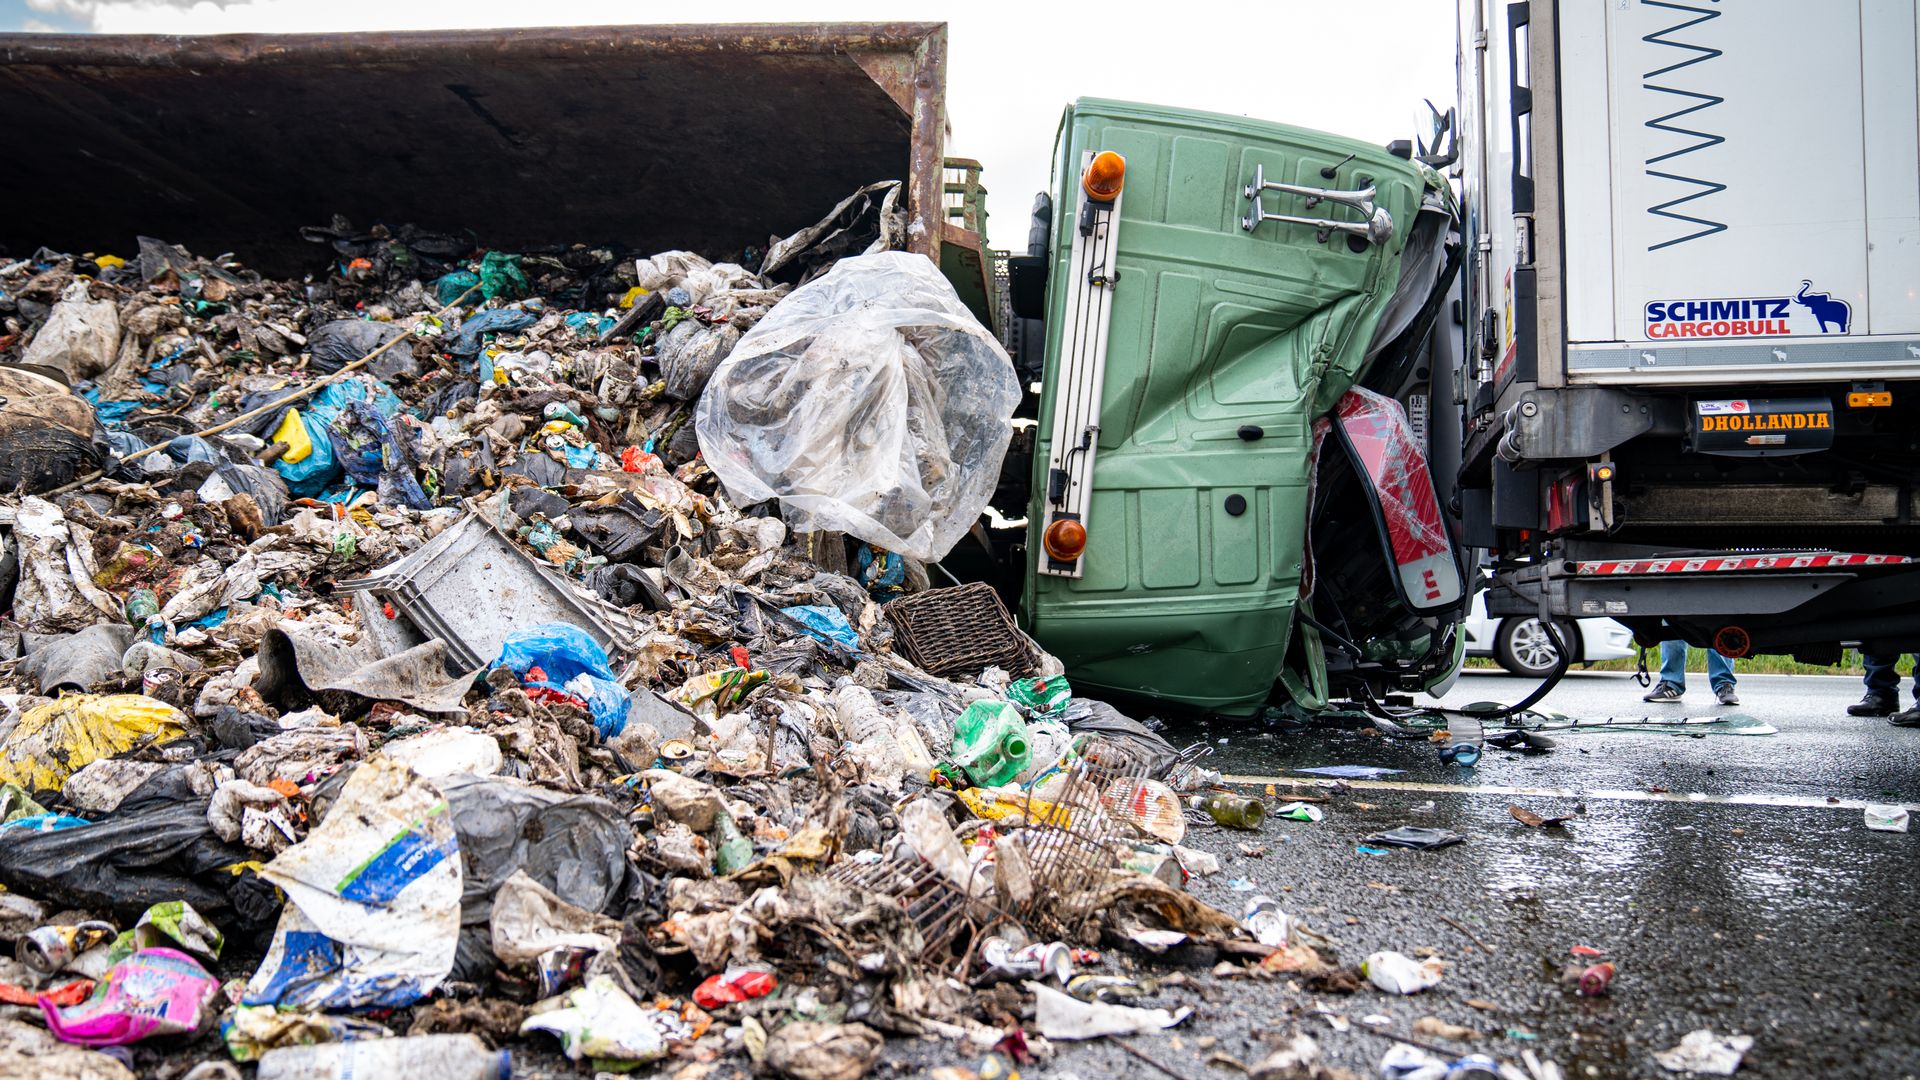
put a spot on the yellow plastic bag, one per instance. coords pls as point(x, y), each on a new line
point(294, 433)
point(56, 740)
point(993, 804)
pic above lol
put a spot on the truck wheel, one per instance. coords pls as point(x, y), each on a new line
point(1523, 647)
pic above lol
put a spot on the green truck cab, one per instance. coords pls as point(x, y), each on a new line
point(1190, 535)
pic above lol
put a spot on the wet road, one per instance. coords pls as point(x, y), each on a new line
point(1739, 899)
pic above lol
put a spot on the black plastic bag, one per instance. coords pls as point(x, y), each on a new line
point(339, 343)
point(619, 531)
point(148, 851)
point(575, 846)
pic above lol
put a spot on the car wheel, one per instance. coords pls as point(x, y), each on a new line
point(1523, 647)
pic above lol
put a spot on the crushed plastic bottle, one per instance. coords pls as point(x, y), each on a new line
point(990, 746)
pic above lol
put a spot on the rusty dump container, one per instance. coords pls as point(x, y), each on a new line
point(708, 138)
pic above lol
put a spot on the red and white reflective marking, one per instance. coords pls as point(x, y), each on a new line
point(1722, 563)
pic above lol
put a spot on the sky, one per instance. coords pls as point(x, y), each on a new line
point(1355, 69)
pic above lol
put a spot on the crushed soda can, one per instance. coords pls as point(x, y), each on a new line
point(1047, 958)
point(156, 682)
point(51, 948)
point(1267, 923)
point(1595, 980)
point(1103, 988)
point(561, 967)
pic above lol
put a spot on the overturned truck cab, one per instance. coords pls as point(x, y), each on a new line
point(1230, 501)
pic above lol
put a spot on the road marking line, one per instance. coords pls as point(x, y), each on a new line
point(1803, 801)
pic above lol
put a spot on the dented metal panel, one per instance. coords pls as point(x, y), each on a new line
point(657, 137)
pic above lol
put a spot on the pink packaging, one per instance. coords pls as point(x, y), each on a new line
point(152, 992)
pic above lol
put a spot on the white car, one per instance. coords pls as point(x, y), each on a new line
point(1519, 644)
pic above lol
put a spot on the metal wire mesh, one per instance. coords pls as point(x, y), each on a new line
point(938, 908)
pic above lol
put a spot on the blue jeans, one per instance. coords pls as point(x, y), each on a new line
point(1882, 676)
point(1673, 666)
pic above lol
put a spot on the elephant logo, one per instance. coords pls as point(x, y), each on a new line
point(1824, 307)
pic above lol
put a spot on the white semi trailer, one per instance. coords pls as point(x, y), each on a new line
point(1691, 316)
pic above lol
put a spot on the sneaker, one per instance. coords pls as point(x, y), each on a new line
point(1726, 695)
point(1906, 718)
point(1666, 691)
point(1876, 703)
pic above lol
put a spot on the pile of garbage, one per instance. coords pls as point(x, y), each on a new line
point(461, 653)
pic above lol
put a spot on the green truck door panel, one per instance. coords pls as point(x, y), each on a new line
point(1213, 328)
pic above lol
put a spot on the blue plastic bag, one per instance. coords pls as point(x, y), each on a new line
point(568, 655)
point(312, 475)
point(882, 572)
point(45, 823)
point(316, 472)
point(826, 624)
point(497, 321)
point(449, 287)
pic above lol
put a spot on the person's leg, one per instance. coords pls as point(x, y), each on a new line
point(1673, 663)
point(1719, 669)
point(1882, 674)
point(1673, 672)
point(1720, 677)
point(1905, 717)
point(1883, 687)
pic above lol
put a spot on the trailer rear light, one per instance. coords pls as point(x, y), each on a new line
point(1064, 540)
point(1872, 399)
point(1603, 473)
point(1732, 642)
point(1106, 174)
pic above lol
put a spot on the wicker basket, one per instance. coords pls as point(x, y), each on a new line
point(959, 632)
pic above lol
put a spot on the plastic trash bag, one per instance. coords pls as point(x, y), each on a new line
point(54, 740)
point(339, 343)
point(80, 336)
point(373, 899)
point(149, 851)
point(467, 340)
point(47, 433)
point(574, 664)
point(574, 845)
point(690, 352)
point(869, 401)
point(75, 661)
point(826, 624)
point(56, 589)
point(312, 472)
point(152, 992)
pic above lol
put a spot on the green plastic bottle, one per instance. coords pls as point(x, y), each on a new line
point(990, 746)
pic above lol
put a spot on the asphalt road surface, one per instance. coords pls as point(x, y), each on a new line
point(1730, 877)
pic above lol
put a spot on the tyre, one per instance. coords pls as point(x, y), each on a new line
point(1523, 647)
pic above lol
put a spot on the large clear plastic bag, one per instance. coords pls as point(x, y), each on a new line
point(870, 402)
